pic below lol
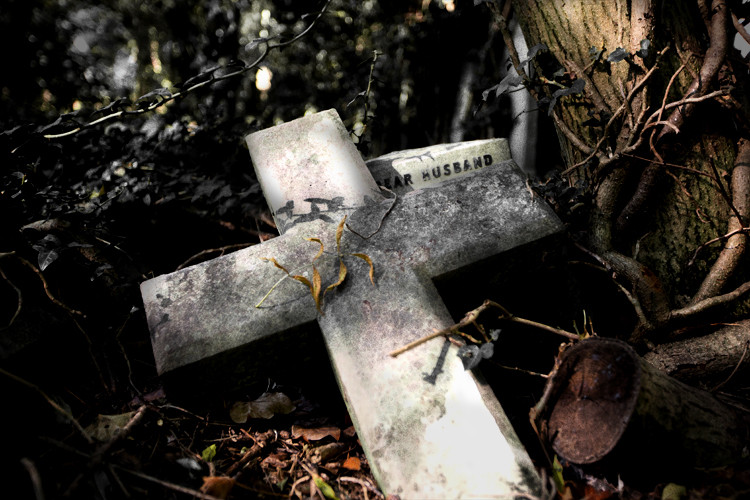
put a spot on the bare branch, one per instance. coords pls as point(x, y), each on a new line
point(736, 244)
point(718, 33)
point(687, 313)
point(615, 116)
point(470, 318)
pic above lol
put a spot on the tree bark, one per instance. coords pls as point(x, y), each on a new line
point(648, 236)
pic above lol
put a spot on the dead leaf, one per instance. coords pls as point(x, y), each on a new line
point(342, 276)
point(275, 263)
point(320, 251)
point(316, 286)
point(276, 460)
point(339, 232)
point(367, 259)
point(350, 431)
point(218, 486)
point(315, 434)
point(266, 406)
point(352, 463)
point(106, 427)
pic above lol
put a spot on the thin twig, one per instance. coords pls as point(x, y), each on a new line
point(715, 240)
point(541, 326)
point(36, 480)
point(685, 100)
point(98, 456)
point(737, 367)
point(46, 288)
point(616, 115)
point(470, 319)
point(19, 301)
point(671, 165)
point(236, 246)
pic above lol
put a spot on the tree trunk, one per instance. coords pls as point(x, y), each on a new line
point(655, 185)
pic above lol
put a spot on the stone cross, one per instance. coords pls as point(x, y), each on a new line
point(429, 428)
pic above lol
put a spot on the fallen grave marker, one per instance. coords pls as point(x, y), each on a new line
point(405, 171)
point(428, 428)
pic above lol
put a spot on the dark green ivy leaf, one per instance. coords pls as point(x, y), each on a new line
point(643, 53)
point(471, 354)
point(575, 88)
point(533, 51)
point(510, 80)
point(618, 55)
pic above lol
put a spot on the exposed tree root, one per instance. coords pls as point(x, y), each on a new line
point(734, 247)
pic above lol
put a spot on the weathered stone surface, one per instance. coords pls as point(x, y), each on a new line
point(430, 430)
point(309, 165)
point(404, 171)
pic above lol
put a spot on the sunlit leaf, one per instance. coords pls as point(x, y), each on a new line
point(367, 259)
point(342, 276)
point(275, 263)
point(557, 475)
point(316, 286)
point(209, 453)
point(320, 252)
point(324, 488)
point(339, 232)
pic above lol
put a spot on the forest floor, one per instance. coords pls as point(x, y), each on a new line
point(85, 414)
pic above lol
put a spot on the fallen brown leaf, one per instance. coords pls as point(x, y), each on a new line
point(352, 463)
point(315, 434)
point(217, 486)
point(266, 406)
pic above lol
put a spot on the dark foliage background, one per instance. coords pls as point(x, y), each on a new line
point(89, 216)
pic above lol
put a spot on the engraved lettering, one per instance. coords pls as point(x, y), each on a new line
point(397, 182)
point(447, 169)
point(407, 179)
point(425, 175)
point(488, 159)
point(435, 172)
point(467, 165)
point(477, 162)
point(457, 167)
